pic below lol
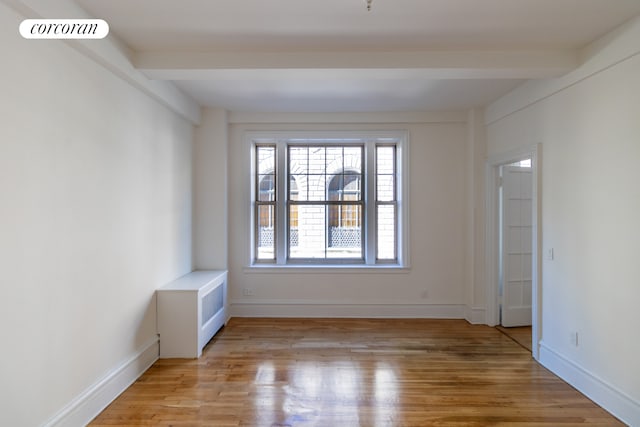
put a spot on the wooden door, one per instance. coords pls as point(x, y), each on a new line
point(517, 189)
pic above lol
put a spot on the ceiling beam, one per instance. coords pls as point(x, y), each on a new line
point(429, 64)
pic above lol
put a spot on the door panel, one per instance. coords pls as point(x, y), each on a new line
point(516, 245)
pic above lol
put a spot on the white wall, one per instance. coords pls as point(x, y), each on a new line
point(589, 125)
point(475, 244)
point(435, 284)
point(210, 191)
point(95, 214)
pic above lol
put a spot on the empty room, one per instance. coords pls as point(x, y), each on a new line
point(297, 213)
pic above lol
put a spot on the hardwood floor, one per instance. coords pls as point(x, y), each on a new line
point(354, 372)
point(520, 334)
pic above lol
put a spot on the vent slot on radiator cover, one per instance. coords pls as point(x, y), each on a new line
point(212, 303)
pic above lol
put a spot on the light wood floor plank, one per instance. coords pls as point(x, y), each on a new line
point(354, 372)
point(520, 334)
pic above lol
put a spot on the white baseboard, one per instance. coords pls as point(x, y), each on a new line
point(304, 308)
point(475, 316)
point(88, 404)
point(613, 400)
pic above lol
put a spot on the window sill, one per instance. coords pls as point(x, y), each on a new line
point(326, 269)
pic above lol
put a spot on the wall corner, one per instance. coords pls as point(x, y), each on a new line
point(210, 217)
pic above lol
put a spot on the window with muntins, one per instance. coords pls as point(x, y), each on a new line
point(324, 201)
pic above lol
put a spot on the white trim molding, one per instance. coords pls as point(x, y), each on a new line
point(345, 309)
point(88, 404)
point(369, 139)
point(604, 394)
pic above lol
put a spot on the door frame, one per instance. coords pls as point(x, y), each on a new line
point(492, 230)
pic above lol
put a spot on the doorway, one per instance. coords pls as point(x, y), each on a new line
point(512, 261)
point(515, 194)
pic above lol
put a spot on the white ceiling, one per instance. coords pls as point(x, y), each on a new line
point(333, 55)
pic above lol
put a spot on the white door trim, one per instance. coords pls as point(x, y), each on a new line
point(493, 235)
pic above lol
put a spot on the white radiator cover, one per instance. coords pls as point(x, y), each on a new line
point(190, 310)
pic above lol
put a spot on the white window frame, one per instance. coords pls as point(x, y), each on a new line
point(370, 140)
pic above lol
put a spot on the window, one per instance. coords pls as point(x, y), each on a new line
point(327, 200)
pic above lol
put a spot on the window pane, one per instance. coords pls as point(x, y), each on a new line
point(299, 192)
point(298, 160)
point(316, 186)
point(352, 189)
point(335, 187)
point(266, 188)
point(293, 189)
point(385, 160)
point(265, 232)
point(334, 159)
point(385, 188)
point(353, 160)
point(345, 231)
point(317, 160)
point(345, 216)
point(311, 234)
point(265, 159)
point(386, 232)
point(344, 187)
point(293, 227)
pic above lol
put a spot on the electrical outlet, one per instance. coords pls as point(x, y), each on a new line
point(248, 292)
